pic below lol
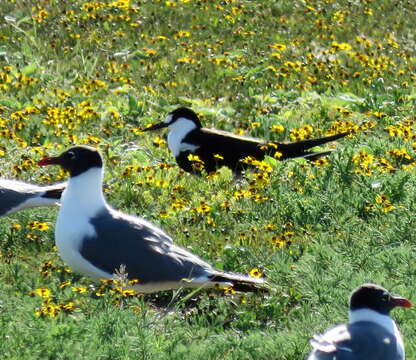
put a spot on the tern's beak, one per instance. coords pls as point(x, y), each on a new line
point(157, 126)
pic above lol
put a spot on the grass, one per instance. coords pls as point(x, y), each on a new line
point(96, 72)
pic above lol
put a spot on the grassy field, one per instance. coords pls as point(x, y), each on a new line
point(78, 72)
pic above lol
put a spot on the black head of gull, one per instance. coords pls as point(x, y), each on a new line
point(17, 195)
point(98, 241)
point(376, 298)
point(76, 160)
point(371, 333)
point(216, 148)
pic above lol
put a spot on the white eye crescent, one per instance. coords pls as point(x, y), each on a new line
point(168, 119)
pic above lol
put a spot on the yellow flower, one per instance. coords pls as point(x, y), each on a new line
point(150, 52)
point(277, 128)
point(256, 273)
point(186, 60)
point(31, 236)
point(65, 284)
point(203, 208)
point(248, 160)
point(128, 293)
point(181, 33)
point(42, 292)
point(341, 46)
point(368, 11)
point(381, 199)
point(277, 155)
point(279, 47)
point(42, 226)
point(15, 226)
point(69, 306)
point(321, 162)
point(194, 158)
point(225, 205)
point(229, 290)
point(158, 141)
point(79, 289)
point(164, 214)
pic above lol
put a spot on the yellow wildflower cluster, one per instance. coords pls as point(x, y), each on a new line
point(197, 163)
point(348, 126)
point(301, 133)
point(403, 130)
point(116, 289)
point(149, 175)
point(48, 267)
point(37, 225)
point(366, 164)
point(282, 240)
point(382, 203)
point(203, 208)
point(250, 193)
point(49, 307)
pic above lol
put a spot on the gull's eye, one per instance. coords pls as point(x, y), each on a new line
point(385, 298)
point(71, 155)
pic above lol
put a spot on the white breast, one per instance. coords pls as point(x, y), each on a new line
point(81, 200)
point(178, 131)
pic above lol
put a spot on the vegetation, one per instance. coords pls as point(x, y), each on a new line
point(78, 72)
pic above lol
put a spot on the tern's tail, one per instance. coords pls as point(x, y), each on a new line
point(299, 148)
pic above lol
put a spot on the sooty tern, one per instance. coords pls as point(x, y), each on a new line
point(216, 148)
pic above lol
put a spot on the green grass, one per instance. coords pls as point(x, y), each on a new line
point(95, 73)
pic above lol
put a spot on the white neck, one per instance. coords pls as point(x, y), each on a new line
point(384, 321)
point(84, 193)
point(178, 130)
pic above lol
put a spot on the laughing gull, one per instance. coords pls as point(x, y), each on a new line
point(216, 148)
point(371, 333)
point(16, 195)
point(97, 241)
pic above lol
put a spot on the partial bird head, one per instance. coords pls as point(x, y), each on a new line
point(375, 297)
point(76, 160)
point(178, 117)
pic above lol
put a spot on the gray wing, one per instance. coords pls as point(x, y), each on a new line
point(17, 195)
point(145, 250)
point(14, 193)
point(359, 341)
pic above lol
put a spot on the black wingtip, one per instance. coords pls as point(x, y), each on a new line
point(54, 193)
point(242, 283)
point(247, 287)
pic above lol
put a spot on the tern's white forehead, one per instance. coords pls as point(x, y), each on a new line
point(168, 119)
